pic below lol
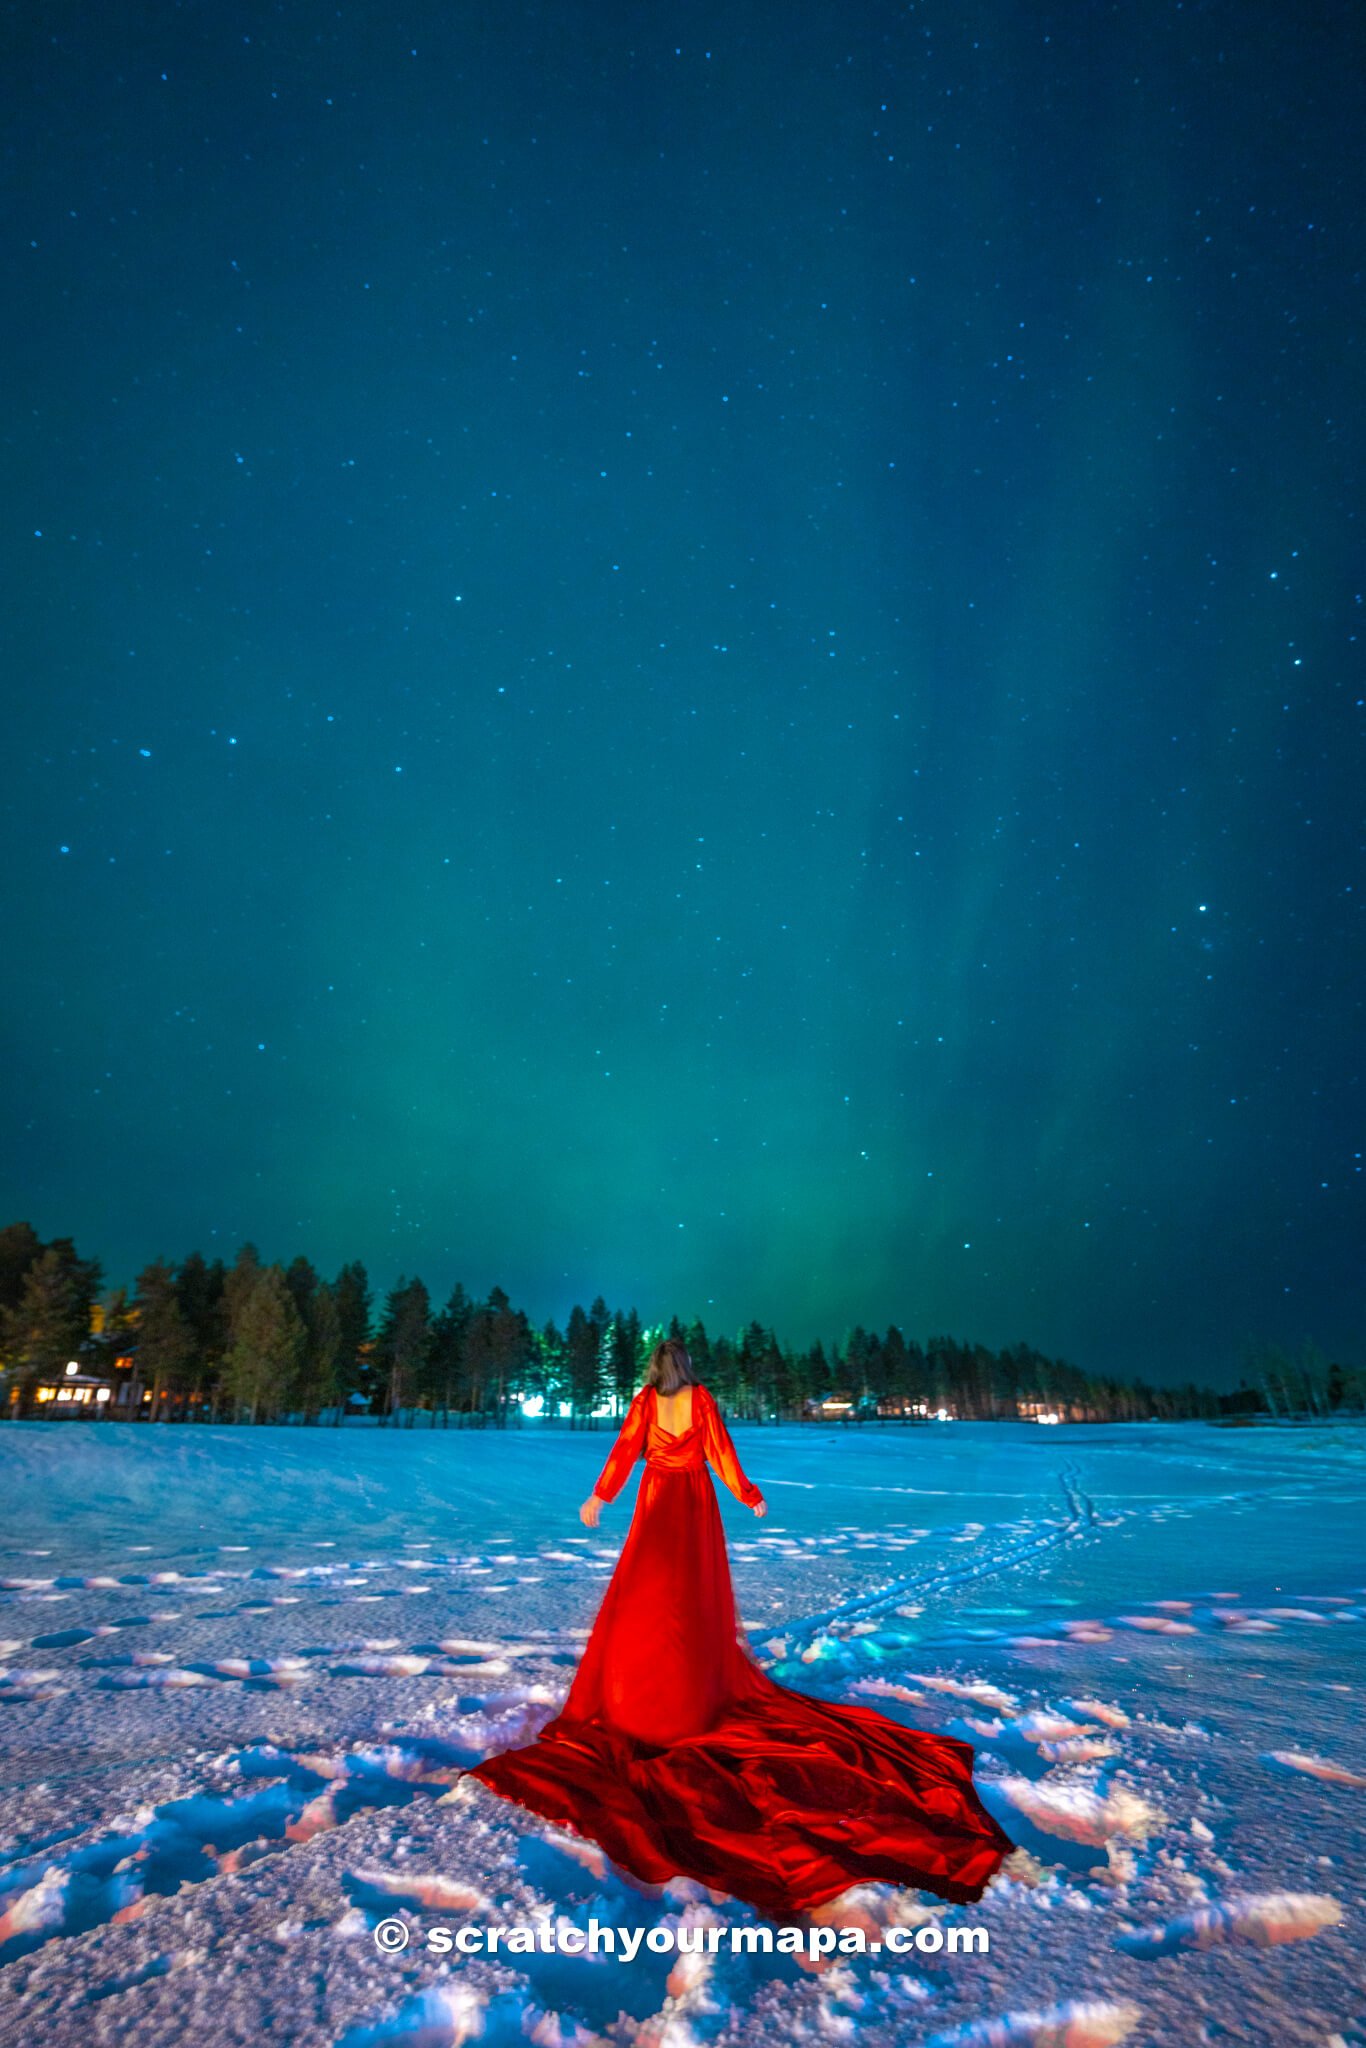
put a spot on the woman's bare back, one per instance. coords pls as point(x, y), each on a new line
point(675, 1410)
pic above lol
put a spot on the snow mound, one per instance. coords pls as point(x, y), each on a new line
point(1077, 1814)
point(1264, 1919)
point(1092, 2024)
point(1315, 1767)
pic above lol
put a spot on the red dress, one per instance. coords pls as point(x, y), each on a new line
point(679, 1756)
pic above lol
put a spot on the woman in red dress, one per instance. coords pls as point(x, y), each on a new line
point(679, 1756)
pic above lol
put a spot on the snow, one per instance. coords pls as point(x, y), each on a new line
point(241, 1671)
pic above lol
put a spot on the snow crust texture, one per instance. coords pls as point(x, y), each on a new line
point(242, 1671)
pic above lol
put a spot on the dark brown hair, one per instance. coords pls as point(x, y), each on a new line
point(670, 1367)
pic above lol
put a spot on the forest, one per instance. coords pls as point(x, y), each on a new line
point(253, 1342)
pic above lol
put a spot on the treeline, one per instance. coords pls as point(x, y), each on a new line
point(252, 1342)
point(1300, 1385)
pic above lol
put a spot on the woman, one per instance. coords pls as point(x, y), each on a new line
point(678, 1755)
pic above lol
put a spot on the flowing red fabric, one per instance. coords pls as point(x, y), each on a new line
point(679, 1756)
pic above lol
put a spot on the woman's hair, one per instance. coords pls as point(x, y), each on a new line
point(670, 1367)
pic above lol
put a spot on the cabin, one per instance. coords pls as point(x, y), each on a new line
point(80, 1389)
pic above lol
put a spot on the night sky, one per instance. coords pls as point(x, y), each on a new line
point(705, 654)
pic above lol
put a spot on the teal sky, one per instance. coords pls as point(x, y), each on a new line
point(706, 655)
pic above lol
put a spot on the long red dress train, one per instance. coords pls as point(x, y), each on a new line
point(679, 1756)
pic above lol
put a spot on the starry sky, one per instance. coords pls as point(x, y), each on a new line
point(704, 654)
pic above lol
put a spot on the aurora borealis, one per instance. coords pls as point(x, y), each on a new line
point(707, 655)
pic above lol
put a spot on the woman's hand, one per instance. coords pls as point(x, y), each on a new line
point(591, 1509)
point(761, 1508)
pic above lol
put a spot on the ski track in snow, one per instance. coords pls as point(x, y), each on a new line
point(1128, 1843)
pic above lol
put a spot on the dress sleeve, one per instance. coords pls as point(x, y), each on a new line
point(721, 1452)
point(624, 1452)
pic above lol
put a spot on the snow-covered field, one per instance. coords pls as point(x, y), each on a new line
point(242, 1668)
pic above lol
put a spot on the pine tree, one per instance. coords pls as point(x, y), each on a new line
point(165, 1344)
point(401, 1346)
point(302, 1281)
point(856, 1348)
point(267, 1347)
point(699, 1349)
point(50, 1324)
point(20, 1248)
point(446, 1359)
point(352, 1290)
point(325, 1379)
point(199, 1290)
point(507, 1343)
point(552, 1368)
point(238, 1283)
point(780, 1378)
point(584, 1361)
point(725, 1379)
point(600, 1317)
point(816, 1373)
point(623, 1359)
point(749, 1360)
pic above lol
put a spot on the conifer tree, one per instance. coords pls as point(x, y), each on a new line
point(49, 1326)
point(400, 1352)
point(324, 1380)
point(20, 1248)
point(165, 1341)
point(199, 1290)
point(584, 1361)
point(267, 1347)
point(447, 1365)
point(352, 1289)
point(623, 1358)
